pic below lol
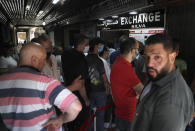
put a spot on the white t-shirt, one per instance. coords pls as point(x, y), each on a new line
point(107, 68)
point(7, 62)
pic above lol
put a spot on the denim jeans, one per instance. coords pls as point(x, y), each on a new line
point(98, 99)
point(191, 127)
point(122, 125)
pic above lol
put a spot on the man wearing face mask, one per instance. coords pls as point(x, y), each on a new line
point(98, 81)
point(50, 67)
point(166, 102)
point(125, 85)
point(74, 64)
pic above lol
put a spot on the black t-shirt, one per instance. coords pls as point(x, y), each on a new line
point(96, 69)
point(74, 64)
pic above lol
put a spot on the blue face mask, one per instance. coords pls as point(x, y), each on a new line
point(101, 49)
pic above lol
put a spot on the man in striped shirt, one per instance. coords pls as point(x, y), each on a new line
point(27, 96)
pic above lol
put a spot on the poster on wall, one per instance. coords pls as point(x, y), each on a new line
point(21, 37)
point(142, 34)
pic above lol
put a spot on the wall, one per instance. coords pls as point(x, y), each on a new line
point(89, 29)
point(69, 32)
point(51, 36)
point(66, 39)
point(112, 36)
point(5, 33)
point(59, 36)
point(181, 25)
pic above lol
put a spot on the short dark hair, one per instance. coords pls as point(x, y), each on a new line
point(163, 39)
point(122, 38)
point(79, 39)
point(93, 42)
point(42, 38)
point(127, 45)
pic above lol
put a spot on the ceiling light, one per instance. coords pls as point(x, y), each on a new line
point(133, 12)
point(55, 1)
point(101, 18)
point(115, 16)
point(40, 12)
point(44, 23)
point(27, 7)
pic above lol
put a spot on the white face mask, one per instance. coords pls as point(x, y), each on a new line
point(86, 49)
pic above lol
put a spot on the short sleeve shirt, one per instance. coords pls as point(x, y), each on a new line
point(96, 70)
point(123, 79)
point(7, 62)
point(74, 64)
point(31, 104)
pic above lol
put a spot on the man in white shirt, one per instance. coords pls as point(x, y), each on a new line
point(6, 60)
point(104, 56)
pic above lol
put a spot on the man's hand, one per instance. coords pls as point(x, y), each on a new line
point(87, 102)
point(54, 123)
point(192, 118)
point(76, 85)
point(108, 90)
point(137, 96)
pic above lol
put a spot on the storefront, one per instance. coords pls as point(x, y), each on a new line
point(137, 24)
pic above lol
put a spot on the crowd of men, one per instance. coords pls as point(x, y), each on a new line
point(149, 92)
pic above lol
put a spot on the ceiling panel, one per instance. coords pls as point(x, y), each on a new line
point(34, 12)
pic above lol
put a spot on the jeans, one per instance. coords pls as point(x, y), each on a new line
point(191, 127)
point(98, 99)
point(122, 125)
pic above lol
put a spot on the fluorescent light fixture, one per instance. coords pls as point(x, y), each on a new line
point(40, 12)
point(133, 12)
point(27, 7)
point(101, 18)
point(55, 1)
point(44, 23)
point(115, 16)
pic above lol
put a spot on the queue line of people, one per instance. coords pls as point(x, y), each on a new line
point(139, 105)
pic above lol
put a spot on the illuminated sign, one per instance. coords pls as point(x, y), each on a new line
point(135, 21)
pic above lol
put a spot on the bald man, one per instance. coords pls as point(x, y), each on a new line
point(27, 96)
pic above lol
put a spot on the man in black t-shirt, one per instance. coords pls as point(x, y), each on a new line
point(74, 64)
point(98, 80)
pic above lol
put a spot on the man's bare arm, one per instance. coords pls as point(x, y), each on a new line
point(83, 93)
point(68, 116)
point(106, 84)
point(138, 89)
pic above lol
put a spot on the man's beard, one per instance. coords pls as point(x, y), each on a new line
point(163, 72)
